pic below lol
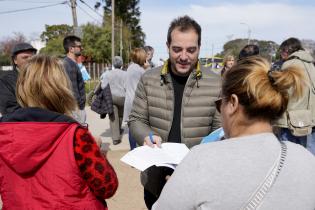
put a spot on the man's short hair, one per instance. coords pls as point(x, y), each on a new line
point(118, 62)
point(248, 50)
point(69, 41)
point(184, 24)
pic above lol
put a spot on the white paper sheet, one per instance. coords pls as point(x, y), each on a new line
point(143, 157)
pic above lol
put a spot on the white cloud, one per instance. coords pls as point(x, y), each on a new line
point(267, 21)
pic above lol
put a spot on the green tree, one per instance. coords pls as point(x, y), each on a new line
point(267, 49)
point(97, 42)
point(127, 17)
point(4, 59)
point(233, 47)
point(6, 46)
point(56, 31)
point(53, 35)
point(54, 47)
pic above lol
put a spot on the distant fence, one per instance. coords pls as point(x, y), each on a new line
point(95, 71)
point(6, 68)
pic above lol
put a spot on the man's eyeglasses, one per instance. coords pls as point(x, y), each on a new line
point(78, 46)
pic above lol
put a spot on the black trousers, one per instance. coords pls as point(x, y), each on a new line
point(155, 183)
point(149, 199)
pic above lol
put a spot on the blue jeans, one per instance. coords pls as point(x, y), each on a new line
point(306, 141)
point(132, 141)
point(311, 142)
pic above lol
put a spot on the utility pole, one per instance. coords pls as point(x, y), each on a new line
point(113, 30)
point(121, 37)
point(74, 16)
point(248, 32)
point(212, 55)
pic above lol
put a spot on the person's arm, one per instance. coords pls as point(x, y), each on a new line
point(95, 168)
point(8, 102)
point(81, 88)
point(139, 117)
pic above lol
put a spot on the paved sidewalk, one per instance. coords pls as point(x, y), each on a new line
point(129, 195)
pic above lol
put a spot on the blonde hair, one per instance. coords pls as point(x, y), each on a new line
point(138, 56)
point(263, 92)
point(227, 58)
point(43, 83)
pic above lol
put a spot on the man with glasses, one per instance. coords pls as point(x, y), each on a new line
point(73, 48)
point(175, 102)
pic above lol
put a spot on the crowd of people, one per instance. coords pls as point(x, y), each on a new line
point(50, 160)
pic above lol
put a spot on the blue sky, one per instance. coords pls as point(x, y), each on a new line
point(220, 20)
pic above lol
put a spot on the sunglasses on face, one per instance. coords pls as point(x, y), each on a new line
point(78, 46)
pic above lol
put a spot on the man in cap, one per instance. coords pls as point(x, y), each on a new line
point(20, 54)
point(73, 48)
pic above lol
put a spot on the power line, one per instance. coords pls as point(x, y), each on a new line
point(29, 1)
point(31, 8)
point(88, 14)
point(83, 2)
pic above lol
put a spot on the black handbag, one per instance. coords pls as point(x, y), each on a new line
point(153, 178)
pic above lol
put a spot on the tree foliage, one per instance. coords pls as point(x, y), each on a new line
point(267, 49)
point(96, 39)
point(53, 35)
point(97, 42)
point(129, 12)
point(56, 31)
point(7, 45)
point(54, 47)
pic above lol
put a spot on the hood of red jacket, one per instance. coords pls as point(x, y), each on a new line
point(25, 145)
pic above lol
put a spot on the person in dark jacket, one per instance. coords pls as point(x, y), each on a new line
point(21, 52)
point(47, 159)
point(73, 48)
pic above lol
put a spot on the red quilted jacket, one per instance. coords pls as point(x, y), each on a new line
point(38, 170)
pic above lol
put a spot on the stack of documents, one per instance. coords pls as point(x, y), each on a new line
point(170, 155)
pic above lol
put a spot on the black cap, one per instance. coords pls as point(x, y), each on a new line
point(22, 47)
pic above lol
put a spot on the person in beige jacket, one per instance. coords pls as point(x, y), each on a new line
point(175, 102)
point(294, 55)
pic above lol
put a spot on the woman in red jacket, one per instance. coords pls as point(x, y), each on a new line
point(47, 159)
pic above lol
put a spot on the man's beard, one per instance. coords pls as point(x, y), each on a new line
point(191, 68)
point(77, 54)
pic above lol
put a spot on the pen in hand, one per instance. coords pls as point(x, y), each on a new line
point(151, 137)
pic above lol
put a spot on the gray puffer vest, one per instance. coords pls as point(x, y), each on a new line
point(153, 106)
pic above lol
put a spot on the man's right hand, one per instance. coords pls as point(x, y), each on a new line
point(155, 140)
